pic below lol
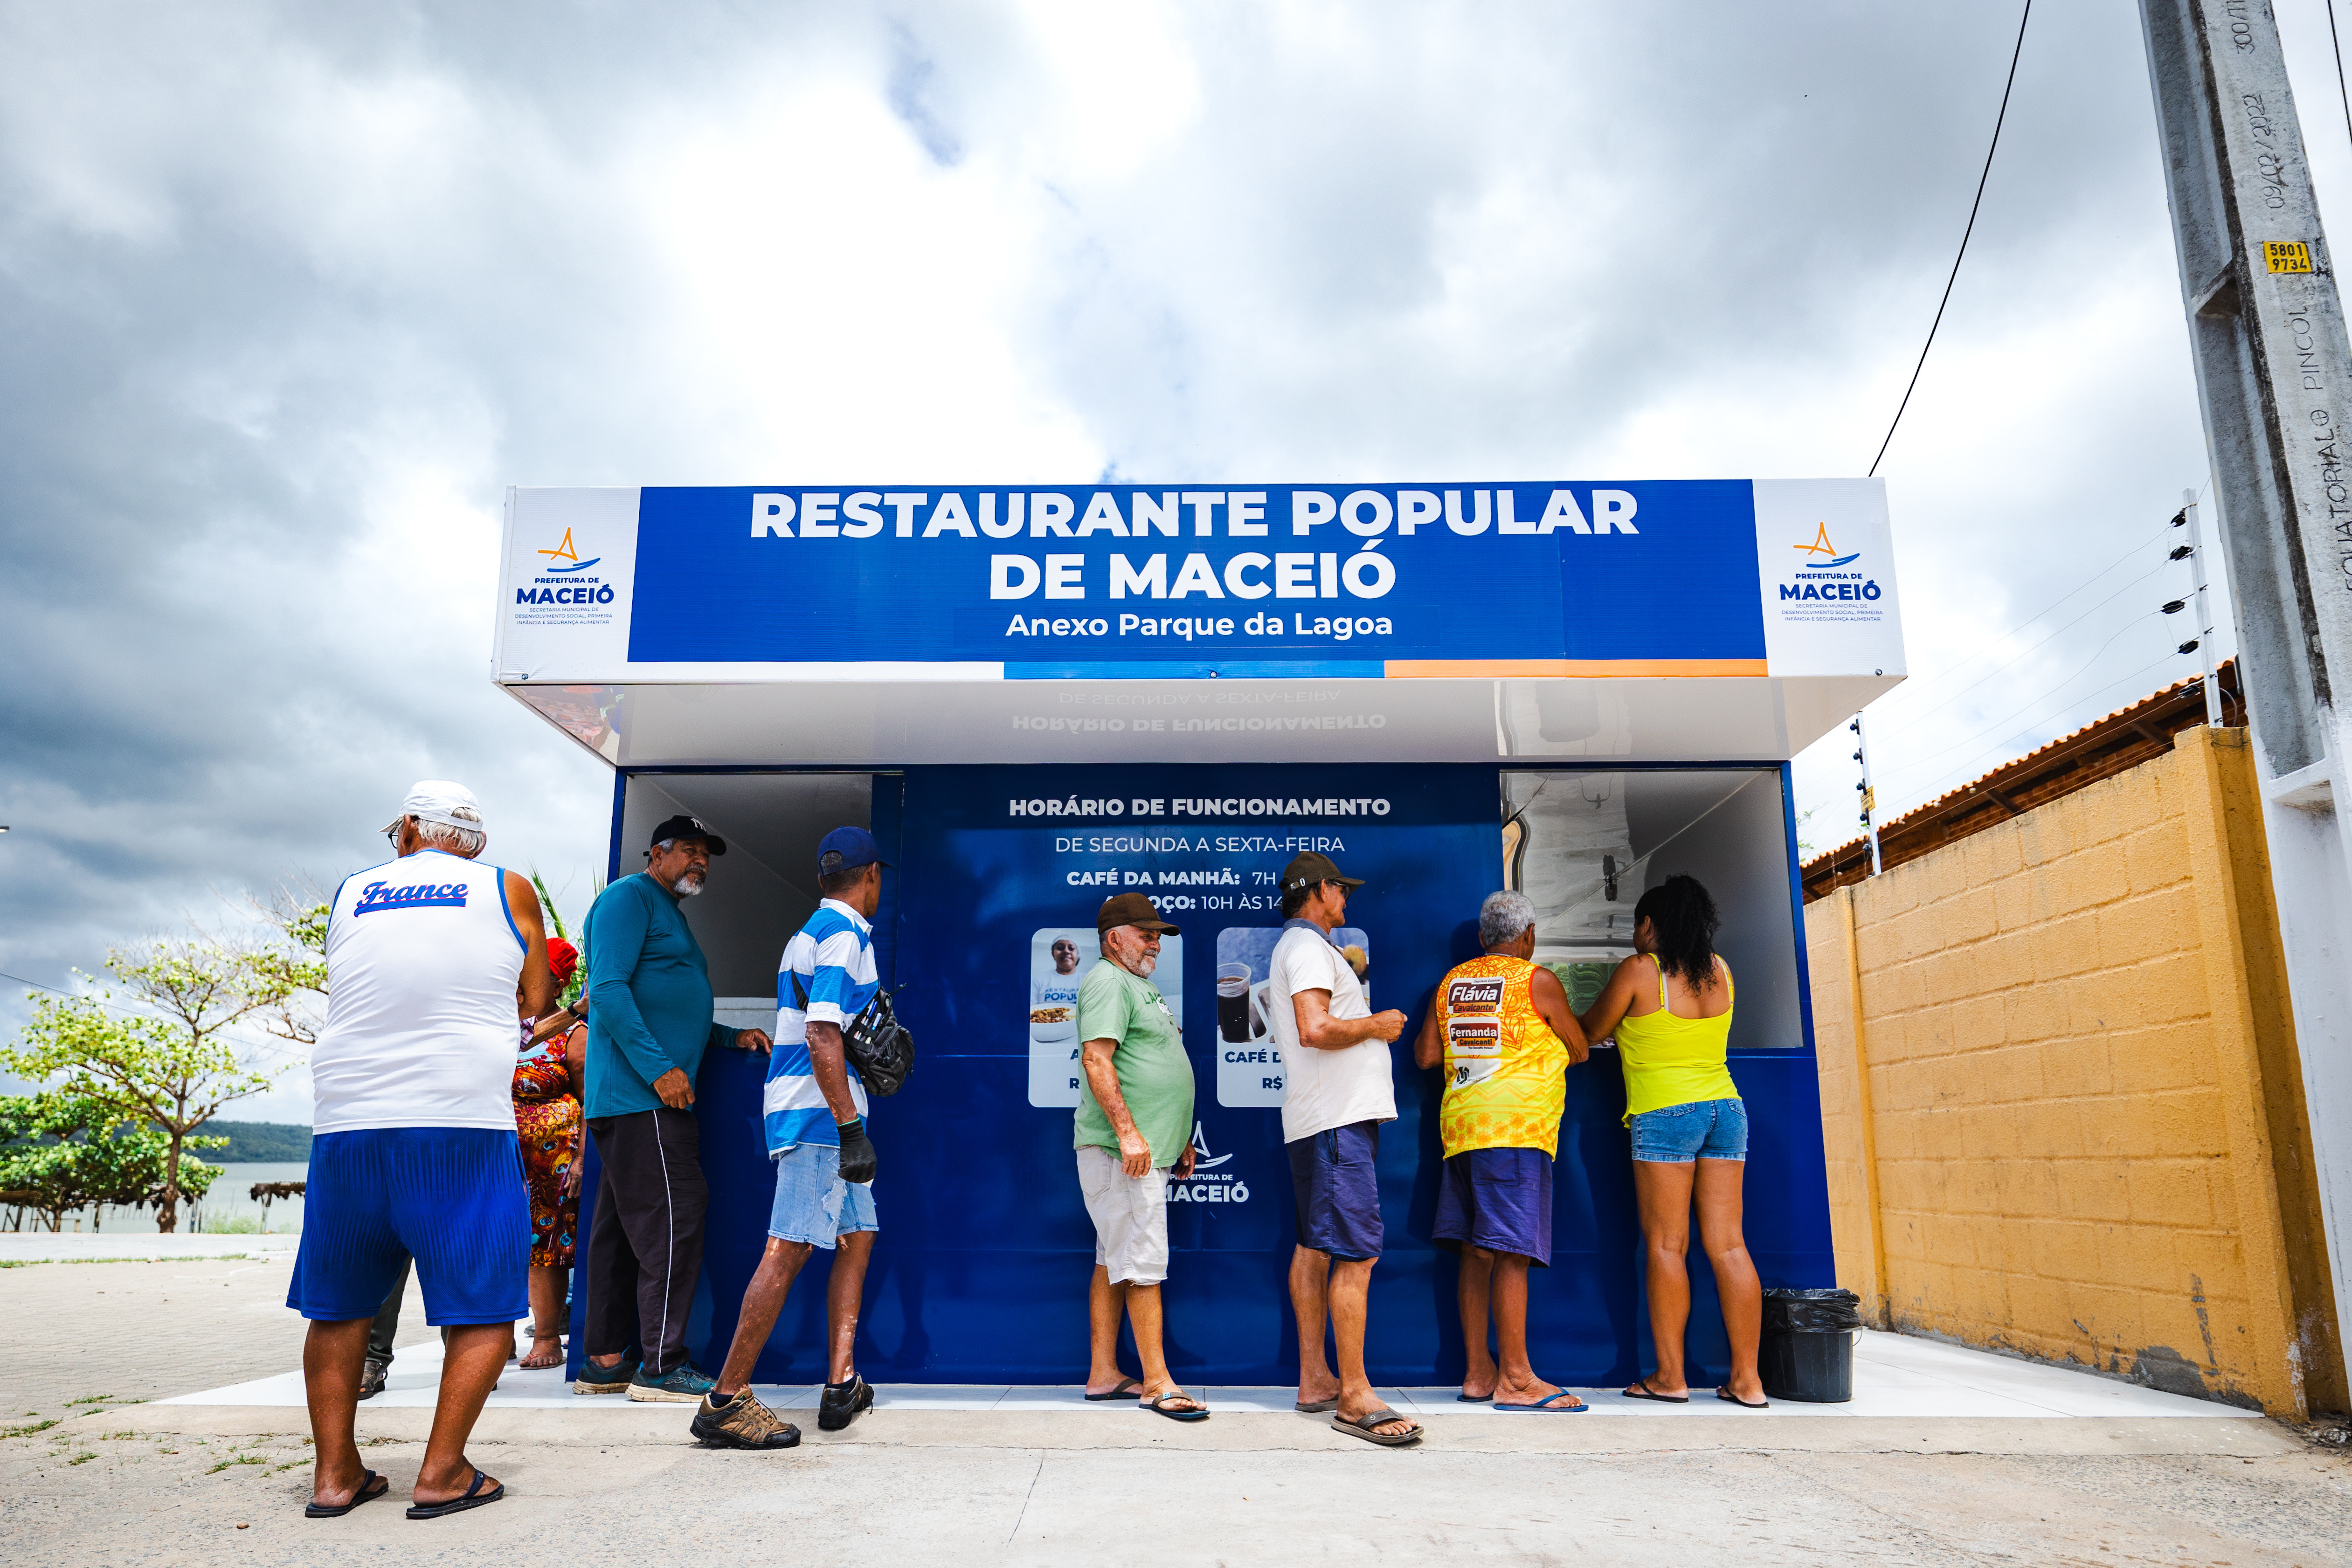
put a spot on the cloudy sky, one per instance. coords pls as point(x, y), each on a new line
point(291, 294)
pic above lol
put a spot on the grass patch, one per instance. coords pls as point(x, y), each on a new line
point(89, 1399)
point(237, 1459)
point(26, 1430)
point(291, 1464)
point(115, 1436)
point(83, 1458)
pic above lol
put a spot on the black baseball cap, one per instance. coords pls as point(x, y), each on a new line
point(1308, 869)
point(688, 828)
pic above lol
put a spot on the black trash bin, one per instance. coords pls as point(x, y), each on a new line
point(1808, 1350)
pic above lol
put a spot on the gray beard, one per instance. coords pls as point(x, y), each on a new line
point(1143, 966)
point(687, 886)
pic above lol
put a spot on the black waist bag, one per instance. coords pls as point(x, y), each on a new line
point(880, 1047)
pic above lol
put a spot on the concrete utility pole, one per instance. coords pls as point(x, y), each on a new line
point(2273, 372)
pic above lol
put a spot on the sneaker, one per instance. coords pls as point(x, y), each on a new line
point(613, 1379)
point(681, 1384)
point(744, 1423)
point(842, 1401)
point(371, 1380)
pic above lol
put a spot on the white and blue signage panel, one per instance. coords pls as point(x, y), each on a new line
point(1591, 578)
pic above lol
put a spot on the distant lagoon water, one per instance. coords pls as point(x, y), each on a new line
point(228, 1206)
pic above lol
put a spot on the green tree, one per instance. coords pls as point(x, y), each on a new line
point(61, 1152)
point(173, 1065)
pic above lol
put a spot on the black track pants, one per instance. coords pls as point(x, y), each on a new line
point(644, 1251)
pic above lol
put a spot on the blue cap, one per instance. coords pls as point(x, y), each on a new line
point(847, 848)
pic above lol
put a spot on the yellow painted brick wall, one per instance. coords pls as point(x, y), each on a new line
point(2046, 1132)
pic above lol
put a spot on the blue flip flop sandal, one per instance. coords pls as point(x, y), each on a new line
point(1550, 1405)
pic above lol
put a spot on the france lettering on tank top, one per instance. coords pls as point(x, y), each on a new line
point(423, 957)
point(832, 960)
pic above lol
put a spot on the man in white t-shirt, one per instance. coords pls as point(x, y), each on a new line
point(1340, 1090)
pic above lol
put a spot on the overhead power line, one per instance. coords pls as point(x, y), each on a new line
point(1971, 766)
point(1964, 232)
point(1924, 714)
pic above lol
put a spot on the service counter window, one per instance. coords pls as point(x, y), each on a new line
point(1585, 844)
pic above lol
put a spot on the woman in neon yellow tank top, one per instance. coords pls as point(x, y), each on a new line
point(1669, 1008)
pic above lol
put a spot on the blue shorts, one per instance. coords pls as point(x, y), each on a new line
point(813, 1203)
point(1334, 1178)
point(451, 1198)
point(1499, 1199)
point(1702, 1130)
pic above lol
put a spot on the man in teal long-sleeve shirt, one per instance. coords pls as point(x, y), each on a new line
point(648, 1024)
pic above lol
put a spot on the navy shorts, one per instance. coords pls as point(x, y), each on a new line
point(1337, 1187)
point(1499, 1199)
point(451, 1198)
point(1702, 1130)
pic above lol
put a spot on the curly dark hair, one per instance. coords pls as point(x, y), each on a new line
point(1682, 912)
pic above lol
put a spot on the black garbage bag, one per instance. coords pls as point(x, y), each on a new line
point(1813, 1311)
point(1807, 1352)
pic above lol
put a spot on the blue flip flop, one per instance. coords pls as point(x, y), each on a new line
point(1550, 1405)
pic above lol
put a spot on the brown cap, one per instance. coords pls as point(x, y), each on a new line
point(1132, 909)
point(1307, 870)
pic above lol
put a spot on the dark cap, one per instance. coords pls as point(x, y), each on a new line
point(1307, 870)
point(688, 828)
point(847, 848)
point(1132, 909)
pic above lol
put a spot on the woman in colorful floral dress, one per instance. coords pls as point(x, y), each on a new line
point(548, 1081)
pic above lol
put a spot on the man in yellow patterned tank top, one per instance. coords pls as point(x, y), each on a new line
point(1501, 1028)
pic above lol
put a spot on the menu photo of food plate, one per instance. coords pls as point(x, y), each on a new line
point(1060, 959)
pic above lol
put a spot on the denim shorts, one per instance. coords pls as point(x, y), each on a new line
point(1702, 1130)
point(813, 1203)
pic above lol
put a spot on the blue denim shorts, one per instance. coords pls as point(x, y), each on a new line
point(813, 1203)
point(1702, 1130)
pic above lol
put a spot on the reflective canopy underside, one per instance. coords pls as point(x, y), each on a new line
point(887, 723)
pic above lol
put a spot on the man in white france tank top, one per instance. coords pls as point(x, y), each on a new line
point(431, 961)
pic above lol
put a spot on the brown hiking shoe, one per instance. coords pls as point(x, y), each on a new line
point(744, 1423)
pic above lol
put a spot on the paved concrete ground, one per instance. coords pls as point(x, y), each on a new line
point(112, 1483)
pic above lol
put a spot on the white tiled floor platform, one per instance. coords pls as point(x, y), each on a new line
point(1894, 1376)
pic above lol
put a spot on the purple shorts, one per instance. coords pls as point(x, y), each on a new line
point(1335, 1176)
point(1499, 1199)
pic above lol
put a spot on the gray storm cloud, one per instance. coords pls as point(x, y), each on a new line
point(292, 293)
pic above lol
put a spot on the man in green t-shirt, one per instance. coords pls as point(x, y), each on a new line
point(1134, 1126)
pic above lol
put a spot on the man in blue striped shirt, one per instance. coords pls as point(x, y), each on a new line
point(815, 1115)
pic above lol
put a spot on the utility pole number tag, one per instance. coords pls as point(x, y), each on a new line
point(2287, 255)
